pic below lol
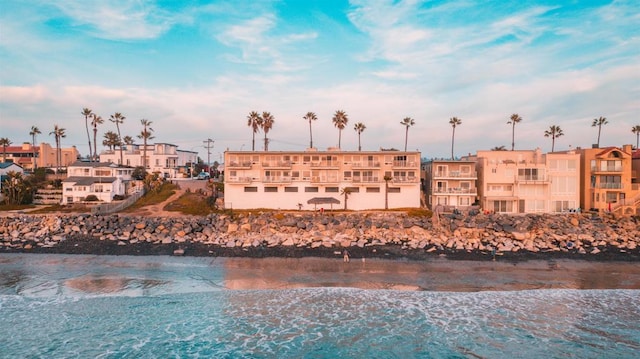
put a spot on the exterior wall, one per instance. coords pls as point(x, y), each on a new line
point(528, 181)
point(451, 183)
point(606, 179)
point(72, 192)
point(282, 180)
point(161, 157)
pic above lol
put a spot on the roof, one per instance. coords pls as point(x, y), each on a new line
point(636, 154)
point(323, 200)
point(87, 181)
point(95, 164)
point(4, 165)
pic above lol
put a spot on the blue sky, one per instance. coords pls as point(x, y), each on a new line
point(197, 68)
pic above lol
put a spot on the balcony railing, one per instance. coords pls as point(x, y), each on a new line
point(276, 179)
point(234, 164)
point(456, 190)
point(404, 164)
point(366, 164)
point(405, 180)
point(366, 179)
point(455, 174)
point(532, 178)
point(606, 169)
point(325, 164)
point(239, 180)
point(278, 164)
point(324, 179)
point(609, 186)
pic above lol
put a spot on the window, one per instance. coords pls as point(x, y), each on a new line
point(295, 175)
point(291, 189)
point(373, 189)
point(394, 190)
point(611, 166)
point(464, 201)
point(563, 206)
point(311, 189)
point(332, 189)
point(501, 206)
point(251, 189)
point(354, 189)
point(612, 197)
point(271, 189)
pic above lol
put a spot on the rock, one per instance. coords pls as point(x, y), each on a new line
point(178, 252)
point(574, 222)
point(232, 228)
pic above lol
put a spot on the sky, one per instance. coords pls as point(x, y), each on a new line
point(196, 69)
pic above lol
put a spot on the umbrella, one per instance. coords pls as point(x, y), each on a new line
point(323, 200)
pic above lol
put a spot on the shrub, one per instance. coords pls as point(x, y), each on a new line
point(91, 198)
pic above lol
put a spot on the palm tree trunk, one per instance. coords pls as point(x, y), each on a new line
point(33, 149)
point(599, 128)
point(339, 139)
point(453, 136)
point(359, 147)
point(95, 147)
point(513, 135)
point(86, 125)
point(253, 142)
point(406, 136)
point(553, 142)
point(310, 136)
point(386, 194)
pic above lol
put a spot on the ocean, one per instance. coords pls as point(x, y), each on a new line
point(80, 306)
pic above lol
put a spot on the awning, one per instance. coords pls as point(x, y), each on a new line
point(323, 200)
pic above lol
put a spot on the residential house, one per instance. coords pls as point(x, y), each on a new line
point(44, 155)
point(103, 180)
point(528, 181)
point(451, 183)
point(162, 158)
point(6, 167)
point(315, 179)
point(607, 180)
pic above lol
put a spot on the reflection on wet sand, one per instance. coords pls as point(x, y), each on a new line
point(97, 285)
point(437, 275)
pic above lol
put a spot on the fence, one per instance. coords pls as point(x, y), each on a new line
point(108, 208)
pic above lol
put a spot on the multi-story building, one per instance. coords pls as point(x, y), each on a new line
point(528, 181)
point(103, 180)
point(451, 183)
point(43, 155)
point(314, 179)
point(163, 158)
point(607, 180)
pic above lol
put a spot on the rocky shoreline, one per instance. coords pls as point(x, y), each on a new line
point(390, 235)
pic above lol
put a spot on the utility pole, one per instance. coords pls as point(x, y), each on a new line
point(208, 145)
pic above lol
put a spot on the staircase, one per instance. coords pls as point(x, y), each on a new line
point(633, 202)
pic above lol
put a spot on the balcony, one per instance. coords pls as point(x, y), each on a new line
point(606, 169)
point(405, 164)
point(455, 174)
point(366, 164)
point(325, 164)
point(238, 165)
point(324, 179)
point(609, 186)
point(533, 178)
point(276, 179)
point(471, 191)
point(405, 180)
point(366, 179)
point(239, 180)
point(278, 164)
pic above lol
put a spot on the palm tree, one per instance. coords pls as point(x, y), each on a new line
point(340, 121)
point(95, 121)
point(255, 122)
point(310, 116)
point(58, 133)
point(33, 133)
point(359, 128)
point(499, 148)
point(407, 122)
point(346, 191)
point(267, 124)
point(87, 113)
point(127, 140)
point(145, 135)
point(111, 140)
point(636, 129)
point(454, 121)
point(553, 132)
point(4, 142)
point(386, 179)
point(513, 120)
point(117, 118)
point(599, 122)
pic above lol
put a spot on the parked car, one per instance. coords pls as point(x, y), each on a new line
point(203, 176)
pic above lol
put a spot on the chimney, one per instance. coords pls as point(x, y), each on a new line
point(627, 149)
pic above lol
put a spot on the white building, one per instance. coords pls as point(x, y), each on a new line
point(163, 158)
point(104, 180)
point(296, 180)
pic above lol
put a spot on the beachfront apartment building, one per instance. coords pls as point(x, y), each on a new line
point(162, 158)
point(313, 179)
point(103, 180)
point(528, 181)
point(42, 156)
point(450, 183)
point(608, 181)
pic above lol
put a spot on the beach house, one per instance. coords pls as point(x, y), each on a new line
point(315, 179)
point(451, 183)
point(30, 157)
point(102, 180)
point(162, 158)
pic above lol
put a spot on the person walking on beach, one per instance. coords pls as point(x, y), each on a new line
point(346, 256)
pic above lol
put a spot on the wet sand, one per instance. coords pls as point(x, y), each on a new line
point(433, 275)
